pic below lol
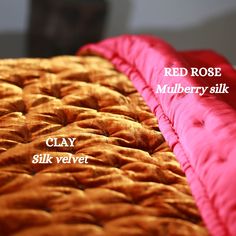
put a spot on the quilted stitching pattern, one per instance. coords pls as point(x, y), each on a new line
point(201, 130)
point(132, 185)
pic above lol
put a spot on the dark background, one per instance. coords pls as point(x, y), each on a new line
point(183, 23)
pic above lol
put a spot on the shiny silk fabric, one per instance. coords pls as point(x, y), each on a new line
point(200, 130)
point(132, 183)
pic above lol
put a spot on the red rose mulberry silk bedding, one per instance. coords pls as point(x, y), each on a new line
point(201, 130)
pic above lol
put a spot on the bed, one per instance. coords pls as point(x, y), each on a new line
point(99, 106)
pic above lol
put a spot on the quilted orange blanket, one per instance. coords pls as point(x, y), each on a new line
point(81, 154)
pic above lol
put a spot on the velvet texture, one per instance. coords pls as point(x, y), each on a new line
point(132, 184)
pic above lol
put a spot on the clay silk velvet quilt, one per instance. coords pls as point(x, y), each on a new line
point(89, 146)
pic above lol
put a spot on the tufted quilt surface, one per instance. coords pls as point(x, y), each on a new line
point(132, 183)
